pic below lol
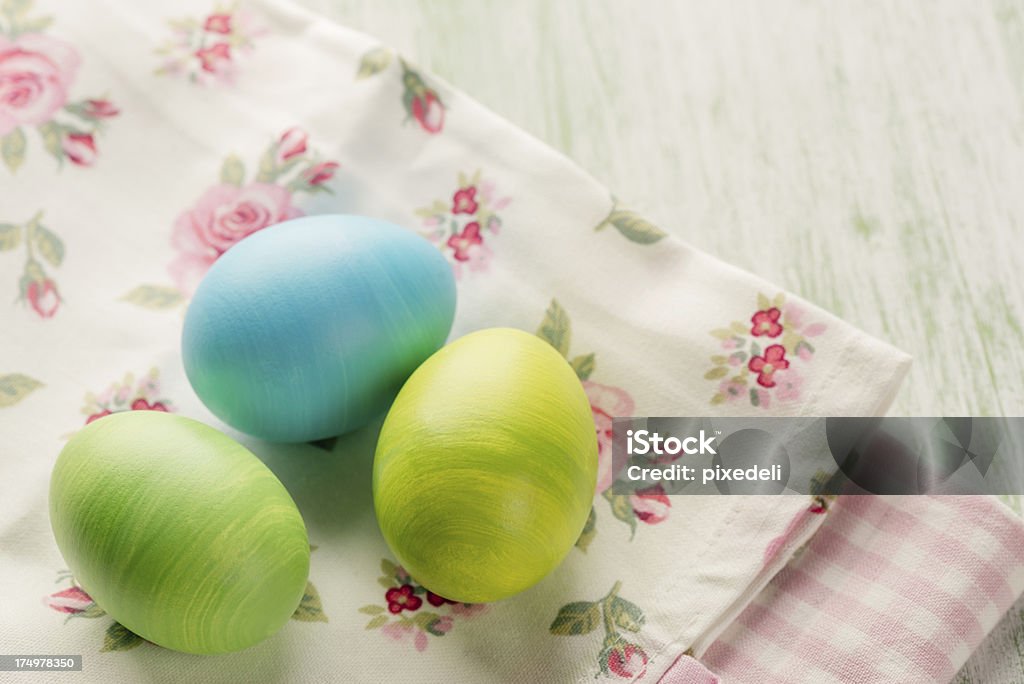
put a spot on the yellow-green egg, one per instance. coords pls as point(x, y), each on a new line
point(486, 466)
point(178, 532)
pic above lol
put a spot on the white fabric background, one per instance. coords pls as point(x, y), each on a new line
point(645, 311)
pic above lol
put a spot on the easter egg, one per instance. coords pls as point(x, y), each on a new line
point(305, 330)
point(486, 466)
point(178, 532)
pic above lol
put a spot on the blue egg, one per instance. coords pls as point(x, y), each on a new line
point(307, 329)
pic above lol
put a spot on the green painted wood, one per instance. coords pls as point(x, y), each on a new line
point(866, 156)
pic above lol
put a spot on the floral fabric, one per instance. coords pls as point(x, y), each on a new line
point(196, 137)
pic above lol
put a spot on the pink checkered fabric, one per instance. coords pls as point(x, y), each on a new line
point(891, 589)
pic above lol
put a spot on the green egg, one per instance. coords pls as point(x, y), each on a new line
point(178, 532)
point(486, 466)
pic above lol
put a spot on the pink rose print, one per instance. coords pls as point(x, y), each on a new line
point(768, 373)
point(206, 50)
point(766, 323)
point(421, 102)
point(71, 601)
point(42, 248)
point(428, 111)
point(235, 208)
point(627, 661)
point(650, 505)
point(320, 174)
point(463, 227)
point(404, 595)
point(127, 395)
point(774, 359)
point(100, 109)
point(463, 201)
point(222, 216)
point(606, 402)
point(80, 148)
point(618, 656)
point(291, 144)
point(37, 73)
point(43, 297)
point(74, 602)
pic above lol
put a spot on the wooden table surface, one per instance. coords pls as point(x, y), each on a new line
point(867, 156)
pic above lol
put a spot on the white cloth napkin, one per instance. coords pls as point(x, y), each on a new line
point(153, 145)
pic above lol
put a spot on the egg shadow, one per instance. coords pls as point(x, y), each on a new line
point(330, 480)
point(267, 661)
point(529, 613)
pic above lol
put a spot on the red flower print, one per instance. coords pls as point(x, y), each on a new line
point(774, 359)
point(71, 600)
point(100, 109)
point(606, 403)
point(218, 23)
point(143, 405)
point(628, 660)
point(35, 74)
point(437, 601)
point(97, 416)
point(766, 323)
point(464, 201)
point(461, 242)
point(80, 148)
point(428, 111)
point(215, 57)
point(43, 297)
point(320, 173)
point(224, 215)
point(291, 144)
point(402, 598)
point(651, 505)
